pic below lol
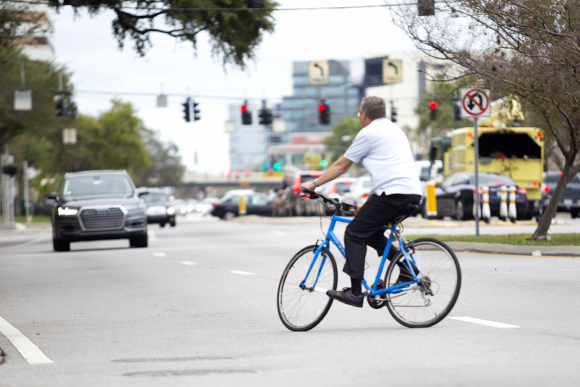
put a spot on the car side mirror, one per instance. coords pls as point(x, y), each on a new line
point(143, 193)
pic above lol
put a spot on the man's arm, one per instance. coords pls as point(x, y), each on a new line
point(337, 168)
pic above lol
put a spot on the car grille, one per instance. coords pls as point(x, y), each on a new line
point(102, 218)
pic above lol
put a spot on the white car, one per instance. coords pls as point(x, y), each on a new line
point(359, 191)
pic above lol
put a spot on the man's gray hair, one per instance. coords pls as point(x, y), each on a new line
point(374, 107)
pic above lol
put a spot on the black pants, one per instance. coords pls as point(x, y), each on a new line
point(366, 229)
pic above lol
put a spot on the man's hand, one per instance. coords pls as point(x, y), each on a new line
point(308, 185)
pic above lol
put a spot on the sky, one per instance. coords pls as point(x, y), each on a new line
point(101, 71)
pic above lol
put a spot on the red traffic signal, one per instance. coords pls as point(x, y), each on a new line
point(321, 108)
point(244, 108)
point(433, 105)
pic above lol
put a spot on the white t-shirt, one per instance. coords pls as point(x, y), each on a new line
point(386, 155)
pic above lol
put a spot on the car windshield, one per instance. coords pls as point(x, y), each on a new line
point(97, 186)
point(342, 188)
point(154, 197)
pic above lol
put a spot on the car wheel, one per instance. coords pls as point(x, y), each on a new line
point(229, 215)
point(460, 211)
point(60, 244)
point(574, 213)
point(172, 222)
point(139, 241)
point(162, 224)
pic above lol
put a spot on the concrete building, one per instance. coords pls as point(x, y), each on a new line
point(38, 46)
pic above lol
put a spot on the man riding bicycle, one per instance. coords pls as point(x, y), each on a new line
point(386, 154)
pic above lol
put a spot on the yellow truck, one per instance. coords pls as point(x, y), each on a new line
point(513, 151)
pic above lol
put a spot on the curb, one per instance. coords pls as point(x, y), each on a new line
point(500, 249)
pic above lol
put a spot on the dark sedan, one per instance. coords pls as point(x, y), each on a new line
point(455, 195)
point(159, 209)
point(256, 204)
point(570, 199)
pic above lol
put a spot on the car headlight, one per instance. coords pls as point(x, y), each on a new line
point(134, 206)
point(170, 210)
point(67, 211)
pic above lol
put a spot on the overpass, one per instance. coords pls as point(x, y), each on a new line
point(191, 181)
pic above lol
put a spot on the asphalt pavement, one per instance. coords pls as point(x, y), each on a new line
point(197, 307)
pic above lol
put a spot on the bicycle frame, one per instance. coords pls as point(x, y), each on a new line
point(372, 290)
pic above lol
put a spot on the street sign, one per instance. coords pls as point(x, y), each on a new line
point(475, 102)
point(69, 136)
point(392, 70)
point(23, 100)
point(318, 73)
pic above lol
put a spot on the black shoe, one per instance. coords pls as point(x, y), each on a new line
point(345, 295)
point(405, 274)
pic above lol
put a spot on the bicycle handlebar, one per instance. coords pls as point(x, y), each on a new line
point(334, 202)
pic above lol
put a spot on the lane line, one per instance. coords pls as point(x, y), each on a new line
point(187, 263)
point(278, 232)
point(29, 351)
point(485, 322)
point(151, 236)
point(242, 272)
point(159, 254)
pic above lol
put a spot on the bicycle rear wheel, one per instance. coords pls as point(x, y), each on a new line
point(427, 303)
point(300, 307)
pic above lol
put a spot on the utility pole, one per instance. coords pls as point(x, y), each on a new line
point(8, 172)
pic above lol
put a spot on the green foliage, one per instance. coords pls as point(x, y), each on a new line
point(165, 169)
point(233, 35)
point(343, 132)
point(511, 239)
point(444, 94)
point(42, 79)
point(17, 20)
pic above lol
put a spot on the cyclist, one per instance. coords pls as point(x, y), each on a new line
point(386, 154)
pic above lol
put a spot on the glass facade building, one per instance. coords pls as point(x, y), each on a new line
point(300, 111)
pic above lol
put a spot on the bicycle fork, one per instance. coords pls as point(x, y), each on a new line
point(318, 253)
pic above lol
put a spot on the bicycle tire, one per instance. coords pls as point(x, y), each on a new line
point(302, 309)
point(440, 266)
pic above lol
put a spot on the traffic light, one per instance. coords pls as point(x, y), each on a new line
point(426, 7)
point(456, 110)
point(61, 104)
point(393, 113)
point(186, 109)
point(265, 115)
point(433, 113)
point(74, 112)
point(323, 113)
point(196, 112)
point(246, 114)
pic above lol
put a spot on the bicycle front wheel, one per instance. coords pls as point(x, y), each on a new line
point(302, 302)
point(426, 303)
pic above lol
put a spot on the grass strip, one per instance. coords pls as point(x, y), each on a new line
point(512, 239)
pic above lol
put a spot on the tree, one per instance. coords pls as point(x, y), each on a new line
point(16, 20)
point(234, 34)
point(343, 132)
point(444, 94)
point(166, 168)
point(524, 48)
point(42, 79)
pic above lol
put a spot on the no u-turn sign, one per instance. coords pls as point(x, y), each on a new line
point(475, 102)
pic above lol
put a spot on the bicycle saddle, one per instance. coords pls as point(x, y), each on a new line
point(405, 213)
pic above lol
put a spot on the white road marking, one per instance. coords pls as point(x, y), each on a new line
point(29, 351)
point(278, 232)
point(151, 236)
point(242, 272)
point(187, 263)
point(484, 322)
point(159, 254)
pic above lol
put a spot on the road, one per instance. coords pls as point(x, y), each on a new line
point(198, 308)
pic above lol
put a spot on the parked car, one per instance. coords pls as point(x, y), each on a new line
point(359, 191)
point(570, 199)
point(96, 205)
point(256, 204)
point(159, 209)
point(455, 195)
point(296, 205)
point(335, 189)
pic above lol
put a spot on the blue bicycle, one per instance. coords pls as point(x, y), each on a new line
point(419, 288)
